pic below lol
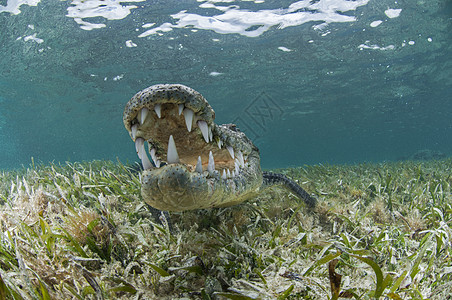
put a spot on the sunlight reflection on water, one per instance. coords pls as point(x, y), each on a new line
point(230, 19)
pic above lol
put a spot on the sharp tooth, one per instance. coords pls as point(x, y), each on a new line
point(188, 114)
point(233, 173)
point(220, 143)
point(181, 108)
point(211, 164)
point(210, 133)
point(240, 157)
point(158, 110)
point(231, 151)
point(171, 156)
point(204, 130)
point(143, 114)
point(154, 158)
point(134, 131)
point(228, 173)
point(139, 143)
point(141, 152)
point(139, 146)
point(199, 165)
point(224, 174)
point(145, 160)
point(237, 167)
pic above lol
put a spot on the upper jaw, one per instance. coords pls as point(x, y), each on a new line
point(177, 122)
point(154, 96)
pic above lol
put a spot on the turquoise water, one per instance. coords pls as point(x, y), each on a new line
point(325, 81)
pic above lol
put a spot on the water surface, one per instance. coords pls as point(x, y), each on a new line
point(322, 81)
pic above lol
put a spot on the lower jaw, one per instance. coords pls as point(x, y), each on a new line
point(174, 188)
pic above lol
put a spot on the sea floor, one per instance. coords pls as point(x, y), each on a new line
point(80, 231)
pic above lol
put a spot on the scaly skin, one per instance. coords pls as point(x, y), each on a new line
point(179, 185)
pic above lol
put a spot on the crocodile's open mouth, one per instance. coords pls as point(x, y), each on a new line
point(188, 153)
point(179, 132)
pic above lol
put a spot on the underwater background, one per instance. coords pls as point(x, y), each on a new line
point(321, 81)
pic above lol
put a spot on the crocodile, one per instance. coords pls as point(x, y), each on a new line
point(194, 163)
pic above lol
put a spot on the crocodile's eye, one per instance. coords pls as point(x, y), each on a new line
point(232, 127)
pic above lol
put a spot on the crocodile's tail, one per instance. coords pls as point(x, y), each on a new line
point(271, 178)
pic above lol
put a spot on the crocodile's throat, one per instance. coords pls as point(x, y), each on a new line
point(191, 162)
